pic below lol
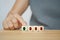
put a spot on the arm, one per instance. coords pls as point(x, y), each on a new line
point(14, 20)
point(20, 6)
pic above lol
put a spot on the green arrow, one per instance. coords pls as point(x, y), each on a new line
point(24, 28)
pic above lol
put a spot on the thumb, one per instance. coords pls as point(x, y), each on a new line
point(20, 19)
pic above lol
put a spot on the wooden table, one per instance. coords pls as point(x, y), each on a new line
point(27, 35)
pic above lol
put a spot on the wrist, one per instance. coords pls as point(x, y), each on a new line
point(12, 13)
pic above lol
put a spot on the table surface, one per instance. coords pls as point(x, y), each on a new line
point(28, 35)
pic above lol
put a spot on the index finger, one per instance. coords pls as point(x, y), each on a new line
point(20, 19)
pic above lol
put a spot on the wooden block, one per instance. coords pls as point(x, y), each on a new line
point(40, 28)
point(36, 28)
point(30, 28)
point(24, 28)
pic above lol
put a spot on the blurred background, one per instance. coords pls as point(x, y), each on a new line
point(5, 7)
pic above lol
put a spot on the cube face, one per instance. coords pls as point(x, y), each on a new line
point(40, 28)
point(30, 28)
point(35, 28)
point(24, 28)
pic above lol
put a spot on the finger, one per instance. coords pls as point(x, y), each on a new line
point(5, 26)
point(15, 23)
point(20, 19)
point(10, 25)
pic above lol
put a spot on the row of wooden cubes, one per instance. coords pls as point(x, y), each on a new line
point(32, 28)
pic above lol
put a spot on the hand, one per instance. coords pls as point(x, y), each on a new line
point(13, 22)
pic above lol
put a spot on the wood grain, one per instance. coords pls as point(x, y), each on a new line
point(28, 35)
